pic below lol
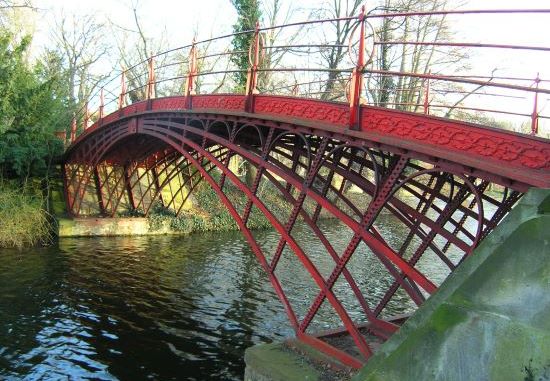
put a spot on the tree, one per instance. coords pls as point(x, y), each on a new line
point(386, 33)
point(81, 46)
point(32, 108)
point(248, 13)
point(277, 44)
point(11, 6)
point(135, 47)
point(397, 38)
point(338, 41)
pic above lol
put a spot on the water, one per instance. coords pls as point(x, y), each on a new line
point(159, 308)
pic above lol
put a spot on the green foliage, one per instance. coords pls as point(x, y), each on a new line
point(159, 216)
point(33, 106)
point(248, 12)
point(23, 220)
point(210, 214)
point(131, 213)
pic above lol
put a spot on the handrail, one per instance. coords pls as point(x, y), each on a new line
point(287, 68)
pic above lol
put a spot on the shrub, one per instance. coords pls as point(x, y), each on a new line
point(23, 220)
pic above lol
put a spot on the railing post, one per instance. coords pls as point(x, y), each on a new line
point(357, 78)
point(86, 117)
point(193, 69)
point(252, 78)
point(122, 97)
point(73, 129)
point(427, 96)
point(295, 89)
point(101, 104)
point(535, 114)
point(150, 83)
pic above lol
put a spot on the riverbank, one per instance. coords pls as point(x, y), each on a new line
point(205, 212)
point(29, 218)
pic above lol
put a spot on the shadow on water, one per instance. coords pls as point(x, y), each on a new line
point(137, 308)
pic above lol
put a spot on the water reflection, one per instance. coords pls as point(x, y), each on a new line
point(154, 307)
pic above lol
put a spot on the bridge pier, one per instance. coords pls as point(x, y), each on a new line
point(110, 227)
point(292, 360)
point(490, 319)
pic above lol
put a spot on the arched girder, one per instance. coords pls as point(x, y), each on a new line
point(365, 235)
point(302, 162)
point(348, 323)
point(296, 179)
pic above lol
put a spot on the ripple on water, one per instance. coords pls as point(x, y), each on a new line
point(137, 308)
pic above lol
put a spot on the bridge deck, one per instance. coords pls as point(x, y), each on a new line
point(511, 159)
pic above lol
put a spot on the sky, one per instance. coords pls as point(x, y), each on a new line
point(179, 18)
point(182, 19)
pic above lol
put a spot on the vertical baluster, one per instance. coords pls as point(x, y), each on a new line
point(357, 77)
point(427, 96)
point(535, 114)
point(151, 80)
point(101, 104)
point(122, 97)
point(73, 129)
point(193, 70)
point(252, 79)
point(86, 117)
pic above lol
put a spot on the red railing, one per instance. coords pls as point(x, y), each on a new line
point(298, 59)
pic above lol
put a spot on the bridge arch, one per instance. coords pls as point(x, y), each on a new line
point(124, 163)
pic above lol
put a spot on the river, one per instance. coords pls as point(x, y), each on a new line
point(152, 308)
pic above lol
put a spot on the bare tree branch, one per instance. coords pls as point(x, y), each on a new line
point(81, 43)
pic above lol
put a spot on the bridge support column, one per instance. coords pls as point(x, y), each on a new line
point(291, 360)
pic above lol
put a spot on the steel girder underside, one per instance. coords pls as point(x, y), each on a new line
point(444, 208)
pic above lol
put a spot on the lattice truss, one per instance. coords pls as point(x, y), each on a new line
point(440, 213)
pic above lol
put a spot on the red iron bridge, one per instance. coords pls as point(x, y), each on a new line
point(335, 129)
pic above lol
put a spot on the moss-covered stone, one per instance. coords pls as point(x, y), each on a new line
point(491, 319)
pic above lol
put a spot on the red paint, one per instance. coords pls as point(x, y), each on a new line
point(513, 156)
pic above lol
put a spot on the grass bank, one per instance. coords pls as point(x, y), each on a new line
point(23, 220)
